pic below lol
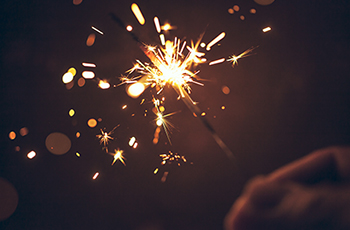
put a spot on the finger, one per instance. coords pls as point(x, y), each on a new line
point(276, 205)
point(330, 163)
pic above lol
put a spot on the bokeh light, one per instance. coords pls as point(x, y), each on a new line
point(135, 90)
point(24, 131)
point(67, 77)
point(81, 82)
point(264, 2)
point(230, 11)
point(77, 134)
point(92, 122)
point(103, 84)
point(17, 148)
point(8, 199)
point(71, 112)
point(77, 2)
point(252, 11)
point(236, 8)
point(90, 40)
point(12, 135)
point(73, 71)
point(225, 89)
point(88, 74)
point(242, 17)
point(58, 143)
point(129, 28)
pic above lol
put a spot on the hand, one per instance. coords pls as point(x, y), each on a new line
point(310, 193)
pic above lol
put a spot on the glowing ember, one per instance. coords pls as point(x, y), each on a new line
point(90, 40)
point(221, 60)
point(171, 157)
point(129, 28)
point(132, 141)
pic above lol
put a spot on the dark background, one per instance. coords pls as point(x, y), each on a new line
point(288, 99)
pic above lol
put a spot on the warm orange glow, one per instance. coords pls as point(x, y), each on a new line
point(157, 24)
point(221, 60)
point(95, 175)
point(92, 123)
point(266, 29)
point(103, 84)
point(88, 74)
point(216, 40)
point(225, 90)
point(86, 64)
point(17, 148)
point(252, 11)
point(23, 131)
point(264, 2)
point(124, 106)
point(137, 12)
point(90, 40)
point(67, 77)
point(129, 28)
point(236, 8)
point(12, 135)
point(97, 30)
point(203, 114)
point(242, 17)
point(31, 154)
point(77, 134)
point(223, 107)
point(71, 112)
point(231, 11)
point(164, 177)
point(135, 90)
point(81, 82)
point(77, 2)
point(70, 85)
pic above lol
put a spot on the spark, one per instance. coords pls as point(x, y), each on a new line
point(172, 157)
point(97, 30)
point(88, 74)
point(215, 40)
point(156, 171)
point(157, 24)
point(95, 175)
point(137, 12)
point(31, 154)
point(118, 155)
point(234, 59)
point(105, 137)
point(103, 84)
point(221, 60)
point(86, 64)
point(266, 29)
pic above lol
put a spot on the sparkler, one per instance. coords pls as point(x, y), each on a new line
point(170, 66)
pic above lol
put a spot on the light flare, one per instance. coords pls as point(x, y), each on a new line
point(138, 14)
